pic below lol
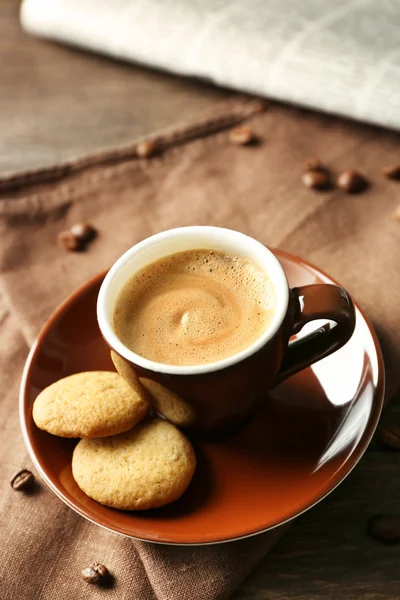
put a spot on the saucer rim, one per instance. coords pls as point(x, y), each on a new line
point(343, 472)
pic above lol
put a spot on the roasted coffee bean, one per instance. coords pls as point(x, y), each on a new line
point(317, 180)
point(385, 528)
point(69, 241)
point(392, 172)
point(23, 480)
point(352, 182)
point(261, 106)
point(390, 436)
point(96, 573)
point(313, 164)
point(242, 135)
point(148, 148)
point(83, 231)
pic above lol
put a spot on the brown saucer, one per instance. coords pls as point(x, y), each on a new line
point(301, 444)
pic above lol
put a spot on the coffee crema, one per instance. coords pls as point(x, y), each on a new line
point(194, 307)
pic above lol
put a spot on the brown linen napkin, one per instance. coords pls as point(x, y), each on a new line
point(197, 179)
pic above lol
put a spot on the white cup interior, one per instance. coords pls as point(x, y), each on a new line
point(179, 240)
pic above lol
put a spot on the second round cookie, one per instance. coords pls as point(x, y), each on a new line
point(147, 467)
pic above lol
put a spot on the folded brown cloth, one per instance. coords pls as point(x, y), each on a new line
point(199, 177)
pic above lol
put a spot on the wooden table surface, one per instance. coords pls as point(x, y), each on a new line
point(57, 103)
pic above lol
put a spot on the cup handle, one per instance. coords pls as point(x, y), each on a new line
point(308, 303)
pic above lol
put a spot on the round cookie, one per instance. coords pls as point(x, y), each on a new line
point(147, 467)
point(167, 403)
point(88, 405)
point(128, 373)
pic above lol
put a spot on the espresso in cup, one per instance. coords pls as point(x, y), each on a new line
point(194, 307)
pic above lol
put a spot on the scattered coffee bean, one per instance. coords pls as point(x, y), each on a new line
point(96, 574)
point(352, 182)
point(148, 148)
point(261, 106)
point(83, 231)
point(23, 480)
point(69, 241)
point(317, 180)
point(385, 528)
point(77, 237)
point(392, 172)
point(313, 164)
point(390, 436)
point(242, 135)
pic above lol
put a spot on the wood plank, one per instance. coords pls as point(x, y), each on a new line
point(327, 553)
point(57, 103)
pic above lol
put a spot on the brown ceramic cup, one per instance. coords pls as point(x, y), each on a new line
point(217, 398)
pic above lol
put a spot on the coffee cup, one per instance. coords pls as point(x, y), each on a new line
point(216, 398)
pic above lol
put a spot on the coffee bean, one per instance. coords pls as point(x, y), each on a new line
point(69, 241)
point(317, 180)
point(352, 182)
point(385, 528)
point(390, 436)
point(83, 231)
point(313, 164)
point(96, 574)
point(261, 106)
point(23, 480)
point(392, 172)
point(242, 135)
point(148, 148)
